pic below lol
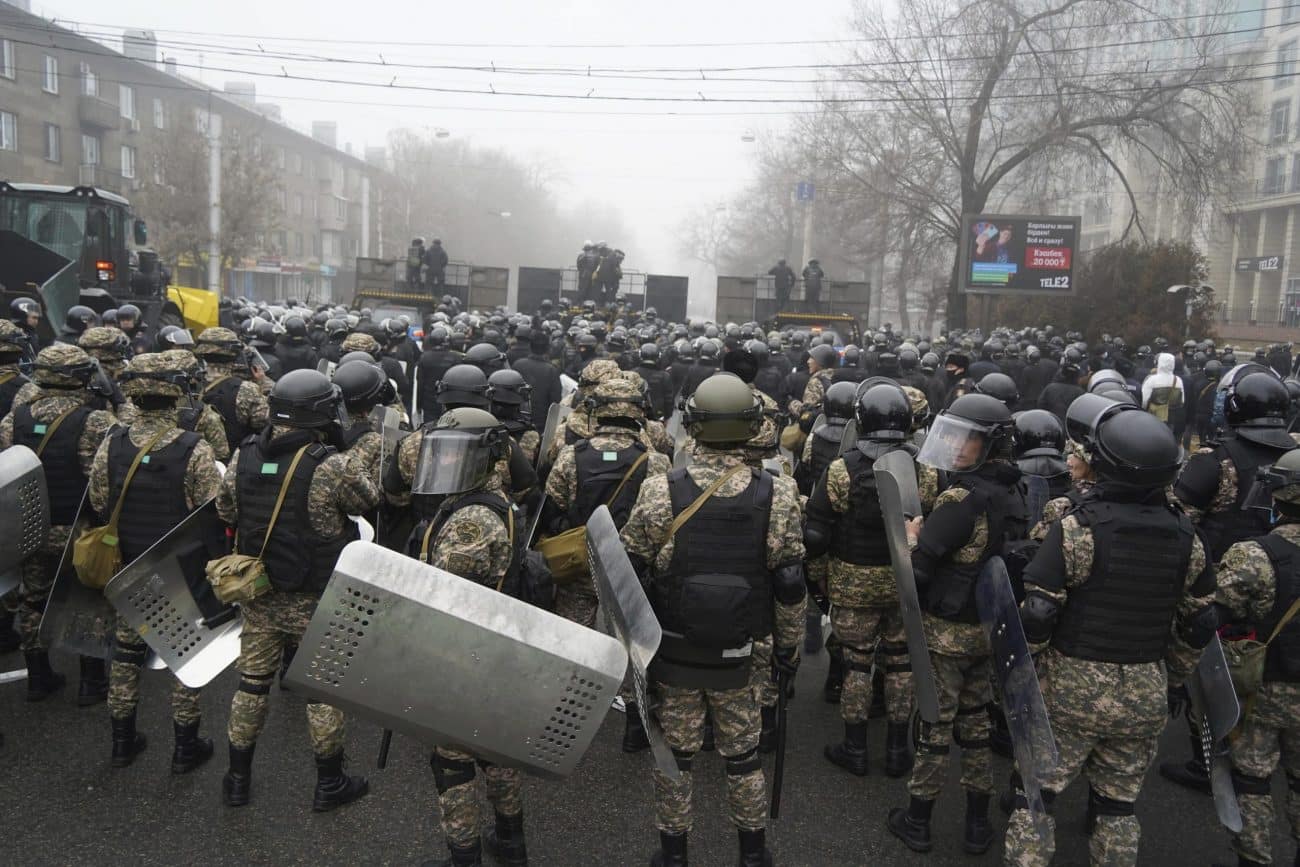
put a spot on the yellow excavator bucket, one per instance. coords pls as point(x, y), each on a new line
point(197, 306)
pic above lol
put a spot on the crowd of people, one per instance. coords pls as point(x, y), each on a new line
point(741, 468)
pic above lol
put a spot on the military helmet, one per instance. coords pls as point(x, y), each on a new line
point(305, 399)
point(1124, 445)
point(13, 340)
point(1101, 377)
point(363, 385)
point(929, 362)
point(967, 434)
point(485, 357)
point(359, 341)
point(825, 356)
point(218, 344)
point(1037, 433)
point(1000, 386)
point(840, 400)
point(173, 373)
point(508, 387)
point(723, 410)
point(598, 371)
point(80, 317)
point(172, 337)
point(459, 452)
point(63, 365)
point(109, 346)
point(1281, 482)
point(20, 309)
point(463, 385)
point(649, 353)
point(1256, 405)
point(295, 328)
point(884, 413)
point(617, 397)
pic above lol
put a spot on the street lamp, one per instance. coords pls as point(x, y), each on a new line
point(1187, 302)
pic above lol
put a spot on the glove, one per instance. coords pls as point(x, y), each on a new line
point(1179, 700)
point(786, 660)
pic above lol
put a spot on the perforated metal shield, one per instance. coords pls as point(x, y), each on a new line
point(25, 505)
point(556, 414)
point(326, 367)
point(388, 422)
point(1216, 710)
point(77, 618)
point(165, 597)
point(1032, 741)
point(895, 474)
point(629, 616)
point(448, 661)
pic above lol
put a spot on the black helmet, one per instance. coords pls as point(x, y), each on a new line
point(840, 400)
point(486, 357)
point(908, 357)
point(21, 308)
point(1071, 361)
point(357, 355)
point(1037, 433)
point(129, 311)
point(929, 362)
point(463, 385)
point(394, 328)
point(1001, 386)
point(363, 385)
point(852, 356)
point(79, 318)
point(959, 358)
point(295, 328)
point(305, 399)
point(436, 338)
point(883, 412)
point(1213, 369)
point(1124, 445)
point(650, 353)
point(708, 349)
point(508, 387)
point(742, 363)
point(172, 337)
point(966, 434)
point(1256, 406)
point(760, 350)
point(825, 356)
point(336, 329)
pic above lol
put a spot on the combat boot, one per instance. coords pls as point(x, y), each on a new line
point(912, 824)
point(461, 856)
point(333, 787)
point(672, 850)
point(239, 778)
point(812, 638)
point(505, 842)
point(127, 742)
point(898, 752)
point(877, 709)
point(191, 751)
point(42, 681)
point(93, 687)
point(834, 676)
point(634, 737)
point(767, 736)
point(1190, 774)
point(753, 852)
point(979, 833)
point(851, 755)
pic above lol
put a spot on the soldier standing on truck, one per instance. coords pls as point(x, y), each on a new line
point(435, 258)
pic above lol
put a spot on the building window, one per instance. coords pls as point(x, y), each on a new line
point(341, 210)
point(279, 158)
point(315, 208)
point(297, 204)
point(1295, 173)
point(89, 150)
point(295, 163)
point(315, 245)
point(51, 84)
point(8, 131)
point(126, 101)
point(297, 243)
point(1285, 64)
point(128, 161)
point(1274, 175)
point(7, 68)
point(280, 200)
point(1280, 121)
point(89, 81)
point(1290, 12)
point(159, 114)
point(53, 143)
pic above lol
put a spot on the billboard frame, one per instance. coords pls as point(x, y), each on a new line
point(964, 284)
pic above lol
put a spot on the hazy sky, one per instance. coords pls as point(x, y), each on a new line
point(654, 165)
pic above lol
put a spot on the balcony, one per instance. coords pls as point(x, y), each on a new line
point(98, 113)
point(104, 179)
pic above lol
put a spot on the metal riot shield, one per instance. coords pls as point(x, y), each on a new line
point(25, 504)
point(417, 416)
point(10, 580)
point(77, 618)
point(326, 367)
point(675, 429)
point(556, 414)
point(1216, 709)
point(850, 436)
point(165, 596)
point(900, 500)
point(631, 619)
point(449, 661)
point(681, 458)
point(535, 521)
point(388, 422)
point(568, 385)
point(1036, 497)
point(1022, 701)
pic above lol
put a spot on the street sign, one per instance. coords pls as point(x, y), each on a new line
point(1260, 263)
point(804, 191)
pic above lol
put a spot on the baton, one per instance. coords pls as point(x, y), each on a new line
point(778, 772)
point(384, 743)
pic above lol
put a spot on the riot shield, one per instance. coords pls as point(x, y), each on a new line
point(900, 500)
point(165, 596)
point(10, 580)
point(1022, 701)
point(417, 416)
point(326, 367)
point(25, 505)
point(774, 466)
point(77, 618)
point(535, 522)
point(675, 429)
point(1036, 497)
point(850, 436)
point(568, 385)
point(631, 619)
point(387, 421)
point(449, 661)
point(556, 414)
point(681, 459)
point(1216, 710)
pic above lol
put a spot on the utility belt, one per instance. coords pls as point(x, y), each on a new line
point(681, 663)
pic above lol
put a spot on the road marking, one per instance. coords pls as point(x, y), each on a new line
point(10, 676)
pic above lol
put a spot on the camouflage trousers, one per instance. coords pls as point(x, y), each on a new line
point(577, 602)
point(39, 571)
point(861, 632)
point(1115, 768)
point(736, 727)
point(270, 622)
point(129, 656)
point(760, 677)
point(962, 683)
point(458, 799)
point(1268, 736)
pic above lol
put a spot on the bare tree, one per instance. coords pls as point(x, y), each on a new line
point(705, 235)
point(174, 195)
point(251, 191)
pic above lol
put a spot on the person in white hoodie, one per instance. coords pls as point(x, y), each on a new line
point(1163, 394)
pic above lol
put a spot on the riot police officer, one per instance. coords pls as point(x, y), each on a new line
point(78, 318)
point(13, 343)
point(509, 398)
point(295, 351)
point(823, 444)
point(26, 314)
point(743, 533)
point(542, 377)
point(231, 385)
point(299, 549)
point(658, 383)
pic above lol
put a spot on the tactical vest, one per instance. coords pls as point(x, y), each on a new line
point(352, 435)
point(10, 383)
point(155, 501)
point(432, 526)
point(1234, 524)
point(951, 594)
point(860, 532)
point(63, 477)
point(825, 447)
point(1282, 662)
point(297, 558)
point(221, 397)
point(1123, 612)
point(717, 591)
point(599, 475)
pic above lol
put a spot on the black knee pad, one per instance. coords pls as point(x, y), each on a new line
point(1104, 806)
point(256, 684)
point(1248, 785)
point(131, 654)
point(684, 759)
point(971, 743)
point(450, 773)
point(857, 665)
point(745, 763)
point(890, 648)
point(1022, 800)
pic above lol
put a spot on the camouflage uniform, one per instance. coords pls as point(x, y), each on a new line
point(109, 346)
point(1269, 732)
point(201, 483)
point(51, 395)
point(368, 448)
point(1106, 717)
point(251, 409)
point(474, 544)
point(735, 712)
point(813, 394)
point(339, 488)
point(359, 341)
point(207, 423)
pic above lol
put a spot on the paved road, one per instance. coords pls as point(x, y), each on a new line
point(63, 803)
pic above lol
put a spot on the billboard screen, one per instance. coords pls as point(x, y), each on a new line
point(1010, 255)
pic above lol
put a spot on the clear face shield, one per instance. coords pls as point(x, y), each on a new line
point(453, 461)
point(956, 445)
